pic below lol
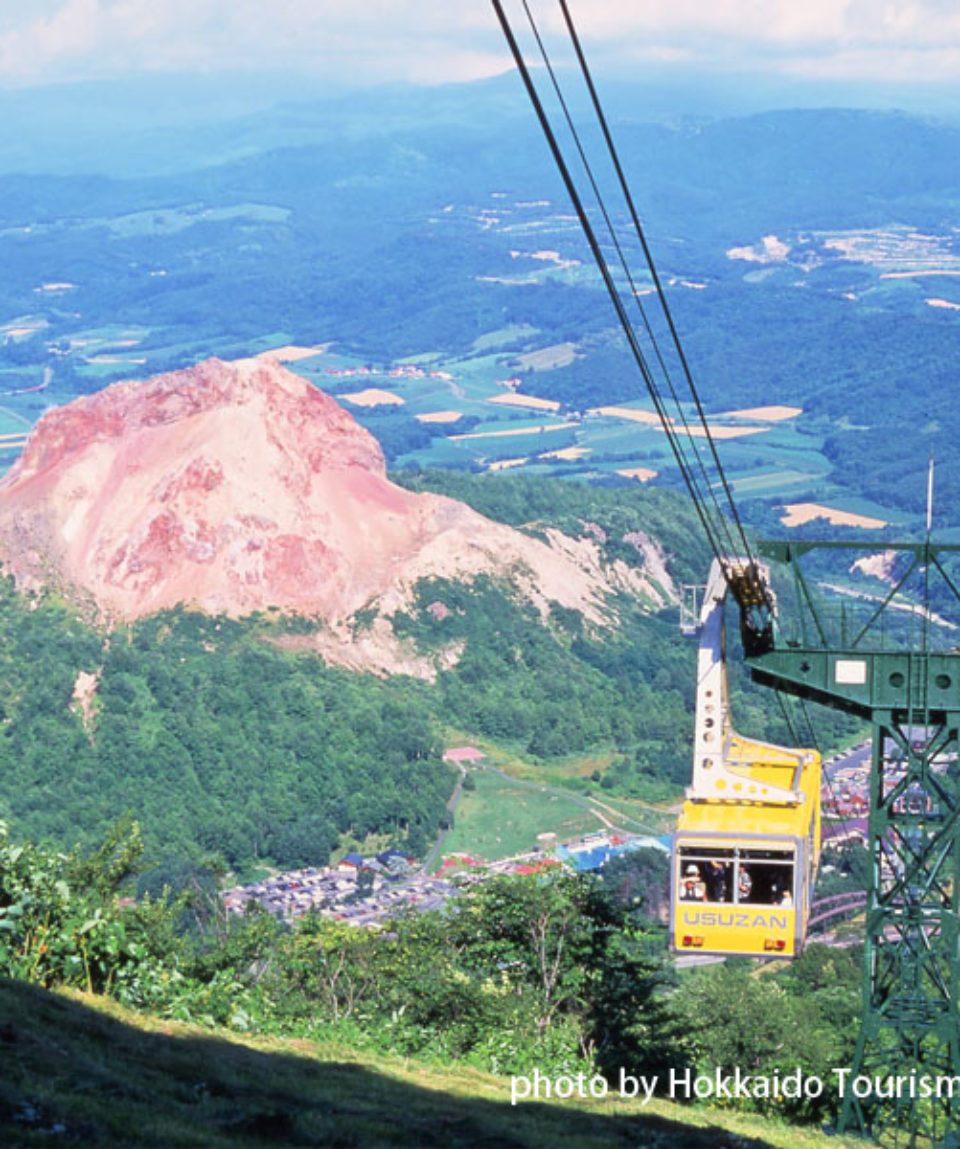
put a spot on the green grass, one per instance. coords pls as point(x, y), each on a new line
point(90, 340)
point(502, 817)
point(442, 453)
point(516, 421)
point(81, 1070)
point(504, 337)
point(515, 814)
point(655, 818)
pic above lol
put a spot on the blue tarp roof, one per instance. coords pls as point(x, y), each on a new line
point(598, 856)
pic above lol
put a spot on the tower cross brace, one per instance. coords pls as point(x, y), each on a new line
point(903, 1087)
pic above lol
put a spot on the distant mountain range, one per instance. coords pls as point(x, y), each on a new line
point(810, 257)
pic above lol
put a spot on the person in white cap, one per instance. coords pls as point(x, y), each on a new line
point(694, 888)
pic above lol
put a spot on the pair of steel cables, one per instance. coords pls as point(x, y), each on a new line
point(619, 246)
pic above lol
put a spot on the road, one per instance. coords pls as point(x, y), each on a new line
point(858, 756)
point(442, 836)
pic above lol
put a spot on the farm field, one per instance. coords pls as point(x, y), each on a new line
point(477, 420)
point(475, 317)
point(469, 415)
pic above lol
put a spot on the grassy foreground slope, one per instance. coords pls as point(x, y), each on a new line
point(81, 1069)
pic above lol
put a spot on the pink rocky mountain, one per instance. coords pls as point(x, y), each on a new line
point(234, 487)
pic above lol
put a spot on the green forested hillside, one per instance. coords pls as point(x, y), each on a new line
point(567, 979)
point(218, 741)
point(104, 1075)
point(223, 744)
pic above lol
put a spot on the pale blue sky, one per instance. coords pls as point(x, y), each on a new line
point(430, 41)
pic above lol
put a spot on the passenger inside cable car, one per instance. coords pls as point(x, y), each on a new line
point(693, 888)
point(719, 879)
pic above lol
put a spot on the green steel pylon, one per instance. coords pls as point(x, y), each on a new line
point(903, 1086)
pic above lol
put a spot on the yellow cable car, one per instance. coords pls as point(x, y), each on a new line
point(747, 843)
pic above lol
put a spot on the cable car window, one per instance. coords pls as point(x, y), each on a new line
point(765, 877)
point(706, 875)
point(759, 877)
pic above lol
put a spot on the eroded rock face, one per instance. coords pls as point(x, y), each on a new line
point(234, 487)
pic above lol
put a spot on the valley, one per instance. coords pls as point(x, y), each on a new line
point(323, 462)
point(451, 308)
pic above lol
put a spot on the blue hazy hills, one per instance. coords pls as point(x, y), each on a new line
point(813, 255)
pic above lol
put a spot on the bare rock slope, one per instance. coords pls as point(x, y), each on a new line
point(234, 487)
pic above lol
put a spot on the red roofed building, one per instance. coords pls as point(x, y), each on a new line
point(454, 861)
point(463, 754)
point(535, 867)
